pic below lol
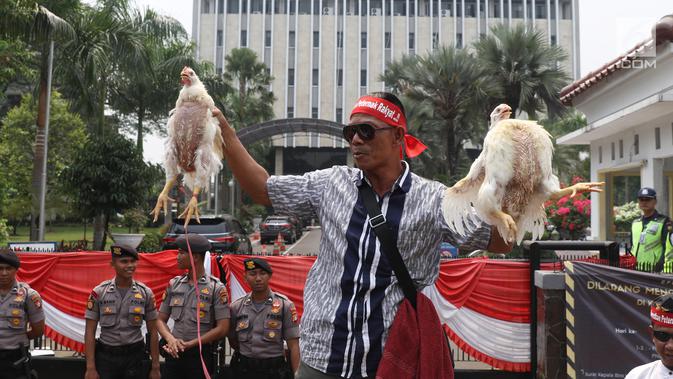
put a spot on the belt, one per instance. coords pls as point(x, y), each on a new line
point(133, 348)
point(262, 363)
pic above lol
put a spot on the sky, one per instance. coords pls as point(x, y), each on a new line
point(608, 28)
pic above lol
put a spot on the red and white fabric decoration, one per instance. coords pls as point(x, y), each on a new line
point(483, 303)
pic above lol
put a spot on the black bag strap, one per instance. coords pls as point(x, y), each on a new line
point(381, 228)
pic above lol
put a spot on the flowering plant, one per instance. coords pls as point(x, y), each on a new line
point(626, 214)
point(569, 215)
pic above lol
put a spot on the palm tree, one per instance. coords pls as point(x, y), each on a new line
point(250, 101)
point(106, 41)
point(147, 88)
point(37, 25)
point(525, 67)
point(454, 90)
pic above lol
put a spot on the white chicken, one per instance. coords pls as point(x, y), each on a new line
point(510, 180)
point(194, 146)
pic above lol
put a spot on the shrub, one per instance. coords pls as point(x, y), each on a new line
point(570, 216)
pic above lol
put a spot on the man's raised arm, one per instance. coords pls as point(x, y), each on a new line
point(247, 171)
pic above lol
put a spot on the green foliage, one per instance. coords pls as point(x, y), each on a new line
point(249, 211)
point(525, 68)
point(151, 243)
point(447, 94)
point(626, 214)
point(4, 232)
point(66, 135)
point(250, 101)
point(568, 160)
point(107, 176)
point(17, 62)
point(134, 219)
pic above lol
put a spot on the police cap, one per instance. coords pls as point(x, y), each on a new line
point(197, 243)
point(120, 250)
point(647, 193)
point(254, 263)
point(9, 257)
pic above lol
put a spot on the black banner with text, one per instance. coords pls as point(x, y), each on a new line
point(608, 319)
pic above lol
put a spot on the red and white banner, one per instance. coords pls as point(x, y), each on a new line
point(483, 303)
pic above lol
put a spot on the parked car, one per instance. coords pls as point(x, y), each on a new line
point(224, 232)
point(288, 227)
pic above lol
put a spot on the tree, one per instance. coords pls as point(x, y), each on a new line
point(525, 67)
point(108, 176)
point(106, 40)
point(16, 155)
point(37, 25)
point(452, 93)
point(568, 161)
point(147, 88)
point(250, 101)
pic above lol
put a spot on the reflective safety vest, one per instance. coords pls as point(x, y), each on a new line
point(647, 245)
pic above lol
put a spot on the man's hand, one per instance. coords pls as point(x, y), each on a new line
point(174, 347)
point(91, 373)
point(578, 188)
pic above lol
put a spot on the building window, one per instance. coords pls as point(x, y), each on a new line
point(363, 78)
point(621, 148)
point(293, 7)
point(340, 39)
point(339, 115)
point(363, 40)
point(612, 150)
point(267, 38)
point(636, 145)
point(315, 77)
point(314, 112)
point(290, 76)
point(435, 40)
point(340, 77)
point(387, 40)
point(412, 40)
point(657, 138)
point(290, 39)
point(290, 112)
point(220, 6)
point(205, 6)
point(232, 6)
point(244, 38)
point(553, 40)
point(316, 39)
point(459, 40)
point(600, 154)
point(219, 38)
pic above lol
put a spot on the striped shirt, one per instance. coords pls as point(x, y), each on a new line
point(351, 294)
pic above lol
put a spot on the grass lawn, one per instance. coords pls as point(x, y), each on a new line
point(70, 233)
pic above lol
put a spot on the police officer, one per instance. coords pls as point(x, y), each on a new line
point(649, 234)
point(184, 305)
point(263, 319)
point(21, 319)
point(120, 305)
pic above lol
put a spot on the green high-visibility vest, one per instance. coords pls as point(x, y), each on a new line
point(647, 244)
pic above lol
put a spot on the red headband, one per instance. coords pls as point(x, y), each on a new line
point(661, 318)
point(391, 114)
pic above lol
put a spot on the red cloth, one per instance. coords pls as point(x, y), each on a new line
point(416, 347)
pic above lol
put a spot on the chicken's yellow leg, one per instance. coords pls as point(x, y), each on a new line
point(577, 188)
point(192, 208)
point(508, 222)
point(163, 199)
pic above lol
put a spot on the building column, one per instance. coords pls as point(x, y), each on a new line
point(652, 175)
point(279, 161)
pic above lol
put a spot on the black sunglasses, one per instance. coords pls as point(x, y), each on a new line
point(366, 132)
point(662, 336)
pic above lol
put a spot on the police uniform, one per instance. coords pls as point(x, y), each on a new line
point(260, 330)
point(650, 242)
point(180, 303)
point(21, 305)
point(120, 350)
